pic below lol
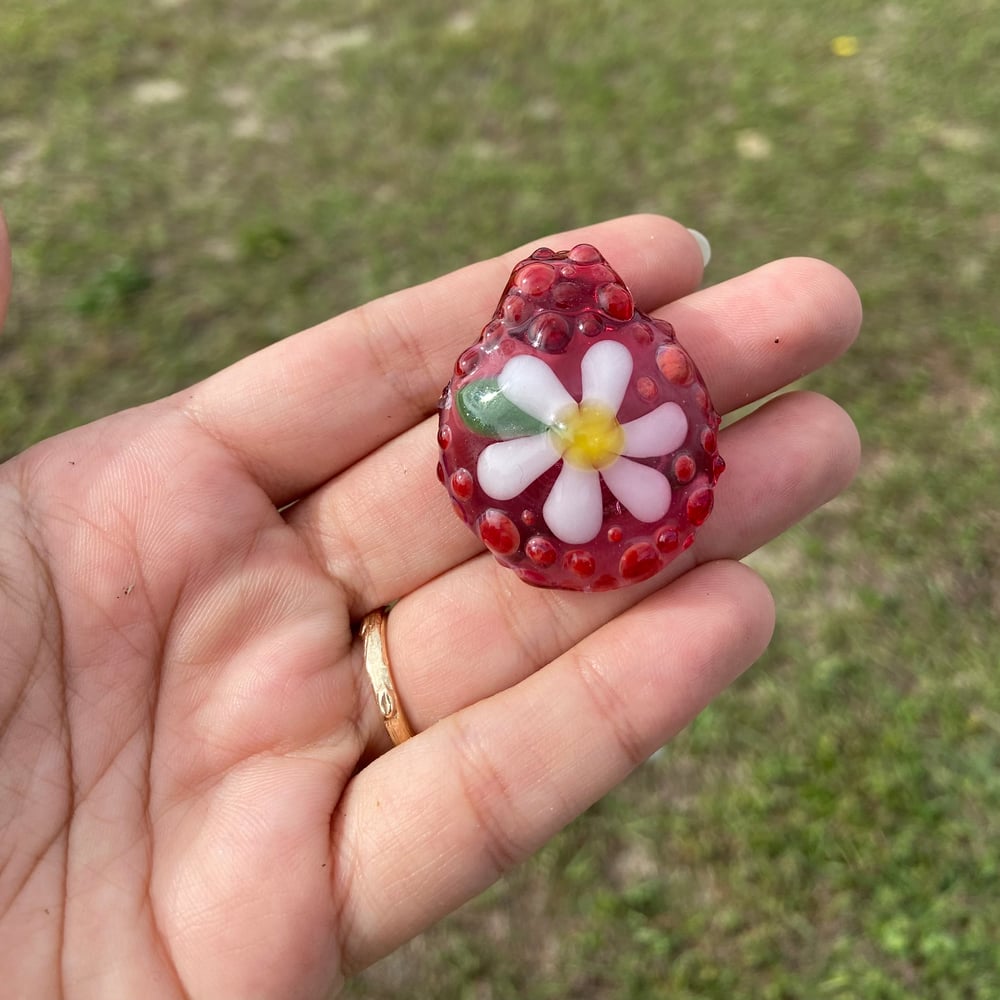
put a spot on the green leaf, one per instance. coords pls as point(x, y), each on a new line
point(488, 412)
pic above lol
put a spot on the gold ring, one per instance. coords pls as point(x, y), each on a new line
point(373, 635)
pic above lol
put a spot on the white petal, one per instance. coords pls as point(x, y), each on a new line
point(642, 491)
point(606, 369)
point(658, 432)
point(531, 385)
point(574, 510)
point(506, 468)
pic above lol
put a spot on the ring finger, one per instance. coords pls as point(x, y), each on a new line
point(491, 631)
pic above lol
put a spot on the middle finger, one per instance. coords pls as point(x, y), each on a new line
point(385, 526)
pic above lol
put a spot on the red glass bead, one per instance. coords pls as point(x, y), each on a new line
point(576, 436)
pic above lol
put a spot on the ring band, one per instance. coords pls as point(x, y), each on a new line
point(373, 635)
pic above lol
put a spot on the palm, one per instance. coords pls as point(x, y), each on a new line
point(209, 697)
point(219, 811)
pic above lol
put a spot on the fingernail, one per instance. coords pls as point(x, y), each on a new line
point(703, 245)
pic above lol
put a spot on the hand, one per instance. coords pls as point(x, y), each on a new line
point(197, 795)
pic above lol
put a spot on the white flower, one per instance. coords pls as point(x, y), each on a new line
point(588, 438)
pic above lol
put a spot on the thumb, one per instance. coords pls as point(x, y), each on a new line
point(5, 277)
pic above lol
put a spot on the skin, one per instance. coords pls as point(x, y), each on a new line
point(197, 797)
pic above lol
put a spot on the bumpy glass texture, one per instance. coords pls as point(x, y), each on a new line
point(577, 438)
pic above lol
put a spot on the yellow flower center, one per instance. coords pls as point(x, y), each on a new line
point(589, 436)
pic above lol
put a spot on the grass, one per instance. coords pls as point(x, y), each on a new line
point(186, 183)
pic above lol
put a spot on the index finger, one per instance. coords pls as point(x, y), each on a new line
point(309, 406)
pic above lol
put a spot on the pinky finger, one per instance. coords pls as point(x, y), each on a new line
point(433, 823)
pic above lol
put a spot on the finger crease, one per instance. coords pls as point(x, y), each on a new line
point(399, 357)
point(611, 709)
point(489, 797)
